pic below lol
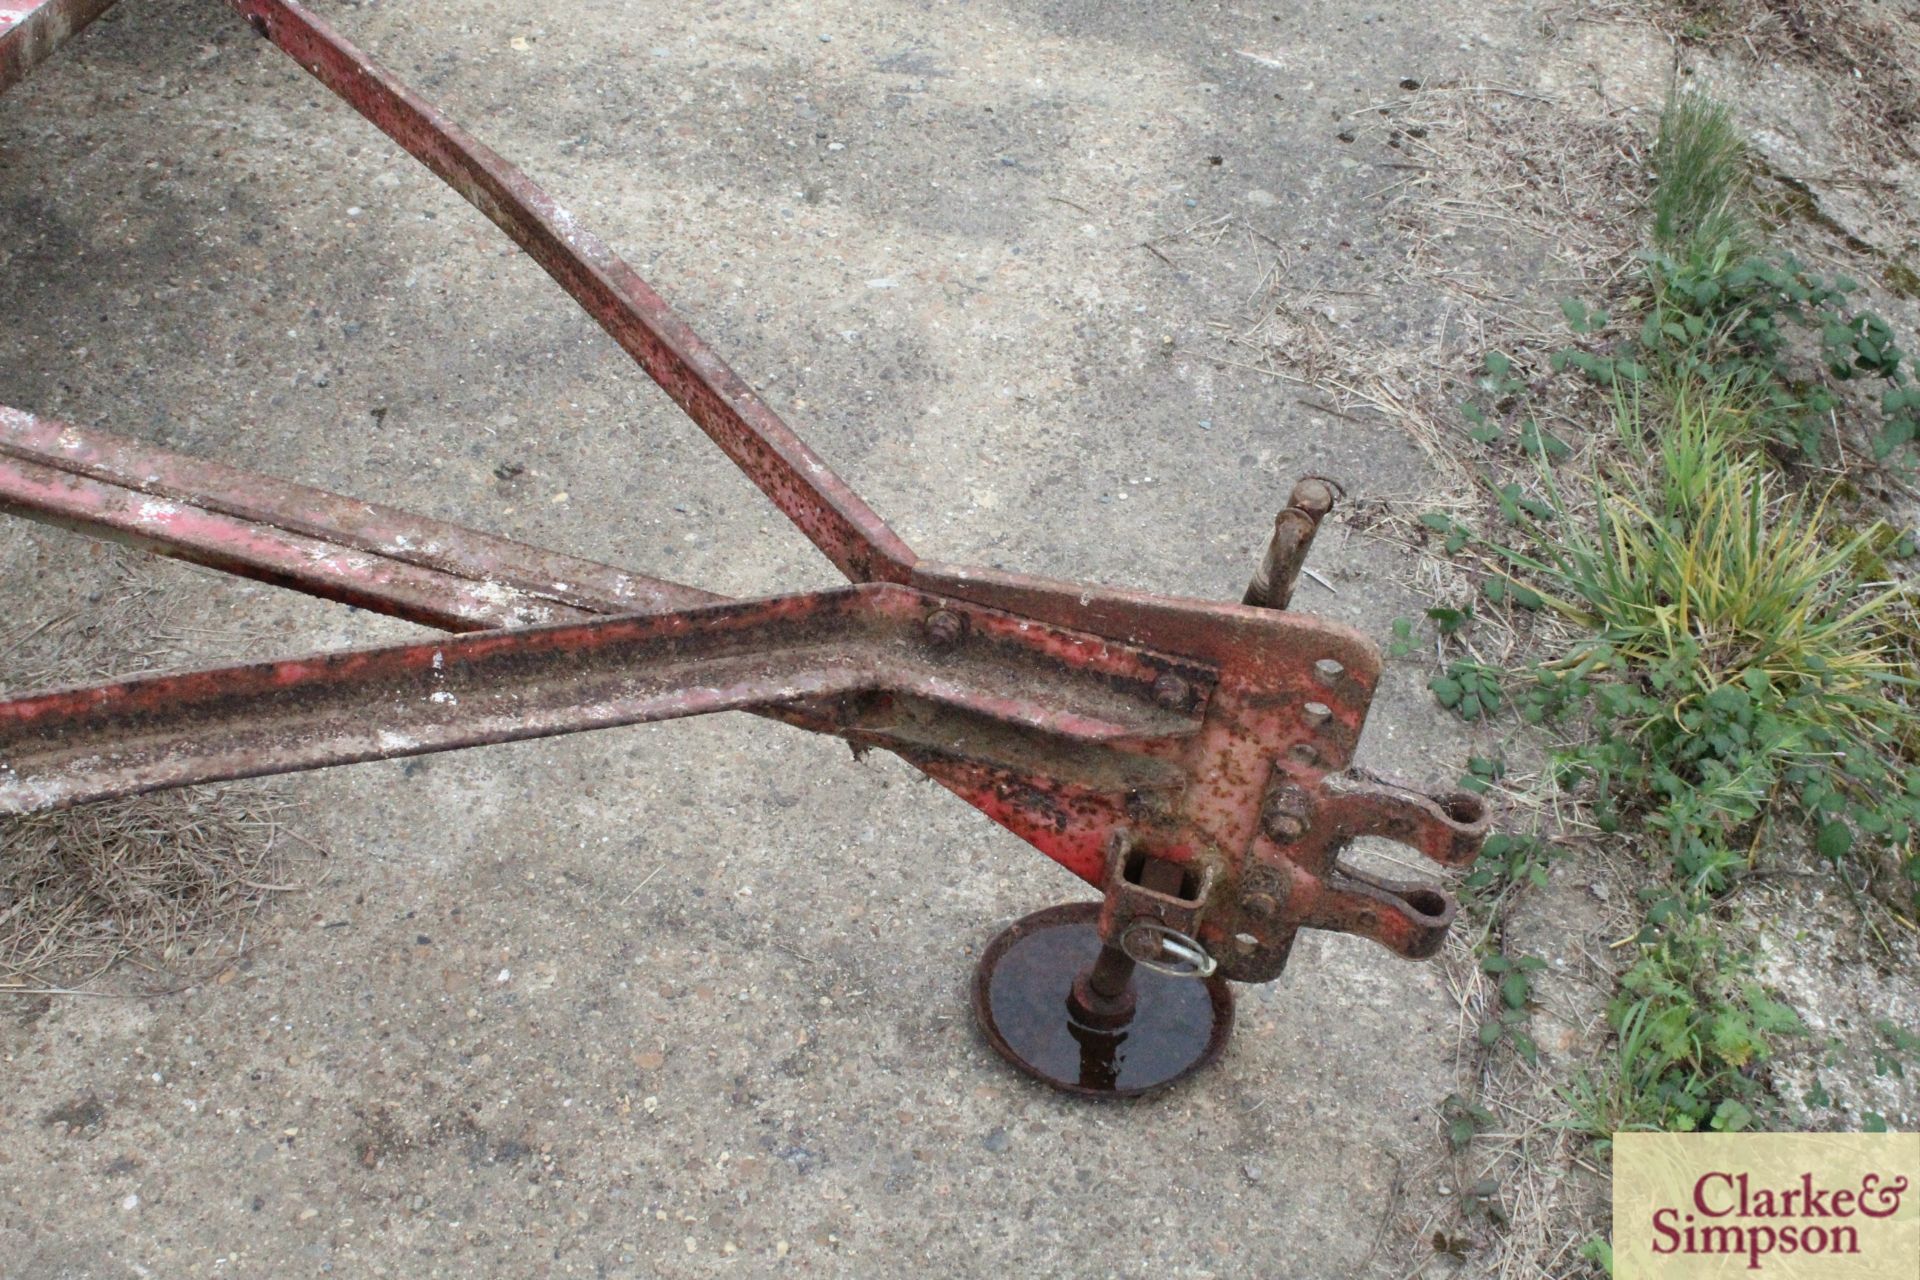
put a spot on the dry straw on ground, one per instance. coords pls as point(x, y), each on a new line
point(1506, 201)
point(1498, 176)
point(1491, 177)
point(1869, 55)
point(168, 882)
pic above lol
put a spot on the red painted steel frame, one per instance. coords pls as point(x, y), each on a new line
point(1097, 724)
point(713, 395)
point(30, 30)
point(498, 686)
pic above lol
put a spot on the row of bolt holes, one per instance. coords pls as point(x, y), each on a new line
point(1461, 808)
point(1317, 714)
point(1327, 671)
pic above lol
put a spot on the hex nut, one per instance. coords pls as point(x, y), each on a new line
point(944, 628)
point(1285, 826)
point(1260, 904)
point(1284, 815)
point(1171, 692)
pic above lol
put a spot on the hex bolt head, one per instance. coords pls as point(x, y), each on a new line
point(944, 628)
point(1284, 826)
point(1284, 815)
point(1171, 692)
point(1260, 904)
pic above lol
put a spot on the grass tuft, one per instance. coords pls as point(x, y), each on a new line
point(1696, 557)
point(1735, 670)
point(1700, 173)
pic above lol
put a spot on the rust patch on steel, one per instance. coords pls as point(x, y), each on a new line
point(71, 746)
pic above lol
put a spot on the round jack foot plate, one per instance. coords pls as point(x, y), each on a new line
point(1020, 996)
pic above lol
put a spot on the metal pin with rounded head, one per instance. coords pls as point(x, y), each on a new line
point(1293, 530)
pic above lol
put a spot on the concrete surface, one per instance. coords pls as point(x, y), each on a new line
point(687, 999)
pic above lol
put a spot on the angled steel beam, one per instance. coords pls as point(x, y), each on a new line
point(31, 30)
point(819, 502)
point(320, 543)
point(68, 747)
point(1193, 759)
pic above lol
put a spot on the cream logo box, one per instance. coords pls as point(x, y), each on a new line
point(1839, 1206)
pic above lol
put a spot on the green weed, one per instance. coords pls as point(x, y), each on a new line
point(1507, 863)
point(1724, 309)
point(1470, 690)
point(1465, 1119)
point(1510, 1020)
point(1744, 660)
point(1700, 175)
point(1737, 664)
point(1692, 1028)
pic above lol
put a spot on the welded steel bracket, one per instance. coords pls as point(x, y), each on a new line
point(1190, 759)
